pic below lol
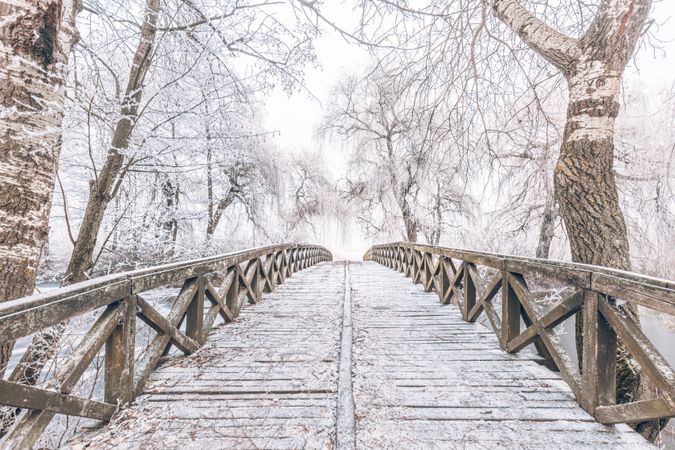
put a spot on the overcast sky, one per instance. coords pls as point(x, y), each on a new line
point(296, 117)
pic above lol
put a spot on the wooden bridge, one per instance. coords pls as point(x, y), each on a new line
point(347, 354)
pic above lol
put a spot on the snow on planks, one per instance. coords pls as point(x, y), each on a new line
point(267, 380)
point(422, 378)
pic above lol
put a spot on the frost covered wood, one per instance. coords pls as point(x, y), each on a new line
point(422, 376)
point(592, 381)
point(125, 374)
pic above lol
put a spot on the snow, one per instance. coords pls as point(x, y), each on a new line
point(421, 376)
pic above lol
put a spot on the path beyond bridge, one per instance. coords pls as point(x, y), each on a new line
point(354, 355)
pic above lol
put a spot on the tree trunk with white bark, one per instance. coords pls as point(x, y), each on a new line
point(584, 178)
point(36, 37)
point(45, 344)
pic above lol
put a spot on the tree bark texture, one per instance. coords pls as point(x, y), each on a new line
point(36, 37)
point(46, 343)
point(584, 178)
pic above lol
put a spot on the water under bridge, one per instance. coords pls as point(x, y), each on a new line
point(346, 354)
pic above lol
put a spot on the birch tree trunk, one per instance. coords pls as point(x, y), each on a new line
point(215, 210)
point(584, 178)
point(36, 37)
point(45, 344)
point(400, 191)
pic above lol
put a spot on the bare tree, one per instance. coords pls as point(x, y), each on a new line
point(104, 186)
point(388, 144)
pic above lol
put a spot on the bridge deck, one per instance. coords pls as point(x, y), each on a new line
point(421, 378)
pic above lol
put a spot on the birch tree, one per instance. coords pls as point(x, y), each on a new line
point(593, 65)
point(36, 37)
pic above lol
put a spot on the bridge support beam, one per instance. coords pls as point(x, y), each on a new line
point(119, 357)
point(194, 318)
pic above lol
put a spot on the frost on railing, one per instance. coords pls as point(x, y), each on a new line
point(105, 355)
point(534, 302)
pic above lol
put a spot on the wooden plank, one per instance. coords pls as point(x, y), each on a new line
point(217, 300)
point(563, 310)
point(266, 273)
point(522, 340)
point(455, 281)
point(410, 390)
point(159, 344)
point(429, 270)
point(119, 357)
point(471, 284)
point(634, 412)
point(247, 279)
point(648, 295)
point(32, 424)
point(510, 311)
point(22, 396)
point(232, 297)
point(247, 381)
point(162, 325)
point(556, 352)
point(443, 281)
point(24, 322)
point(194, 317)
point(539, 346)
point(652, 363)
point(599, 357)
point(488, 292)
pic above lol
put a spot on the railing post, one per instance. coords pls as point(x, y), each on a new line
point(118, 376)
point(271, 274)
point(194, 316)
point(444, 280)
point(417, 268)
point(469, 291)
point(281, 267)
point(232, 297)
point(290, 268)
point(510, 311)
point(255, 281)
point(428, 282)
point(598, 357)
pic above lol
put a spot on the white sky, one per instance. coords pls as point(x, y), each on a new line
point(296, 117)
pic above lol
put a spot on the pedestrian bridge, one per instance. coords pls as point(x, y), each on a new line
point(346, 354)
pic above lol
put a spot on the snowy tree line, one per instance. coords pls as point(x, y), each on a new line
point(492, 125)
point(165, 154)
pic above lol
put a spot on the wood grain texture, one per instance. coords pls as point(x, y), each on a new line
point(269, 379)
point(425, 378)
point(422, 378)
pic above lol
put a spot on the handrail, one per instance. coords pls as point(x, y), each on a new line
point(245, 275)
point(596, 295)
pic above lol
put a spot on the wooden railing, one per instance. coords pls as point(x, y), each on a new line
point(474, 279)
point(241, 276)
